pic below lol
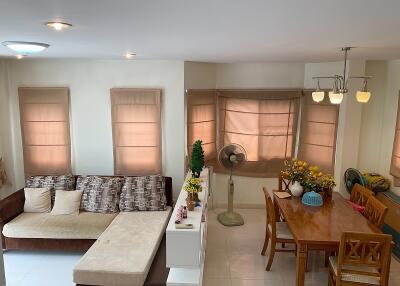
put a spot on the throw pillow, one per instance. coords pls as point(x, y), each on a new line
point(67, 202)
point(99, 194)
point(144, 193)
point(37, 200)
point(62, 182)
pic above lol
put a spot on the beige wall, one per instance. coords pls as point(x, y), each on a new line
point(90, 82)
point(379, 118)
point(6, 151)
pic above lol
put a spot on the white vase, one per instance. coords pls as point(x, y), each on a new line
point(296, 189)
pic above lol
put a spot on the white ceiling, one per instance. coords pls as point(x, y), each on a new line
point(207, 30)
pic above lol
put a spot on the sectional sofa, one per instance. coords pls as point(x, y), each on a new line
point(122, 247)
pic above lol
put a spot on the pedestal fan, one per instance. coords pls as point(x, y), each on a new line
point(231, 157)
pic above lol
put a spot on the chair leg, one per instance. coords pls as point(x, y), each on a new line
point(307, 262)
point(283, 245)
point(271, 255)
point(266, 241)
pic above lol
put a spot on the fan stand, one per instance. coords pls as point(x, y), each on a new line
point(230, 218)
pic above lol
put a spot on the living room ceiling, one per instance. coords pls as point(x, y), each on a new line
point(207, 30)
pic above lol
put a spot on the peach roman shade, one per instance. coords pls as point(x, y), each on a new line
point(201, 121)
point(395, 164)
point(44, 114)
point(318, 132)
point(264, 122)
point(136, 121)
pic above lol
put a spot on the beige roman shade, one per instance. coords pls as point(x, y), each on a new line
point(136, 122)
point(264, 122)
point(44, 114)
point(395, 164)
point(201, 122)
point(318, 132)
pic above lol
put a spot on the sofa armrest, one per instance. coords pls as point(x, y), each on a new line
point(11, 207)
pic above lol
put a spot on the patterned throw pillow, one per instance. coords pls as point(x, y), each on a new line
point(99, 194)
point(62, 182)
point(144, 193)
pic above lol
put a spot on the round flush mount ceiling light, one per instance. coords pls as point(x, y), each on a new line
point(25, 48)
point(130, 56)
point(58, 26)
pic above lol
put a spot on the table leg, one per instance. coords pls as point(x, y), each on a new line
point(301, 264)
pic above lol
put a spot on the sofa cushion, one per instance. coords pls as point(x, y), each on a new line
point(85, 225)
point(37, 200)
point(99, 194)
point(124, 253)
point(67, 202)
point(144, 193)
point(62, 182)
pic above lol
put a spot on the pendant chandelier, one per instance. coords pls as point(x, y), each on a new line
point(340, 86)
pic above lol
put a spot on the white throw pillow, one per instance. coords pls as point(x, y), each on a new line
point(37, 200)
point(67, 202)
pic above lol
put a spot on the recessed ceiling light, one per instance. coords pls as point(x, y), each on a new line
point(25, 48)
point(130, 55)
point(58, 26)
point(20, 56)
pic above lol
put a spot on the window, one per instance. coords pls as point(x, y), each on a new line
point(201, 121)
point(44, 114)
point(395, 164)
point(264, 123)
point(318, 132)
point(136, 122)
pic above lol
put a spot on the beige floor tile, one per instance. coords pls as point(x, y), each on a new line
point(269, 281)
point(216, 282)
point(216, 265)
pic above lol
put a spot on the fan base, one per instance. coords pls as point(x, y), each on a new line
point(230, 219)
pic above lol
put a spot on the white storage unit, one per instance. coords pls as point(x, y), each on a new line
point(186, 247)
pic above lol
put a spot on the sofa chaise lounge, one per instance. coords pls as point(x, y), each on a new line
point(125, 248)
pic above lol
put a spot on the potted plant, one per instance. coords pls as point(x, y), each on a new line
point(197, 159)
point(192, 187)
point(295, 171)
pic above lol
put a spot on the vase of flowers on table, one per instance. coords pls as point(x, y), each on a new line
point(193, 188)
point(310, 178)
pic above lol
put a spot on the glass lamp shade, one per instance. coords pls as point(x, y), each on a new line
point(318, 96)
point(335, 98)
point(363, 96)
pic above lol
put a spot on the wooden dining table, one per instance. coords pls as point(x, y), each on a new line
point(319, 228)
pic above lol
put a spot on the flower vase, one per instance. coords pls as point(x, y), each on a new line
point(190, 205)
point(296, 189)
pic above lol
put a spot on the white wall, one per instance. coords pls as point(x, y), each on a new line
point(90, 82)
point(379, 118)
point(261, 75)
point(6, 151)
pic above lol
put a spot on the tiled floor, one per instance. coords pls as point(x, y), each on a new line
point(233, 257)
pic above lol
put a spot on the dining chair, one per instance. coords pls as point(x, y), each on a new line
point(276, 231)
point(360, 195)
point(375, 211)
point(364, 259)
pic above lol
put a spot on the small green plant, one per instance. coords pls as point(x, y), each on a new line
point(197, 159)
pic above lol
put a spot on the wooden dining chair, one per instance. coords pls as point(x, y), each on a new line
point(360, 195)
point(277, 232)
point(364, 259)
point(375, 211)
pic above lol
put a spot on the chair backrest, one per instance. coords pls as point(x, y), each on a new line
point(283, 183)
point(360, 195)
point(271, 219)
point(375, 211)
point(369, 250)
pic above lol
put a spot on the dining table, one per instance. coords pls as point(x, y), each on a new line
point(319, 227)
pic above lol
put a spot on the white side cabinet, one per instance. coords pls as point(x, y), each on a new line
point(186, 247)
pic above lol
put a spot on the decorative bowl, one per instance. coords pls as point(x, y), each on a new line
point(312, 199)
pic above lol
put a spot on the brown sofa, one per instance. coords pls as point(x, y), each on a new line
point(12, 206)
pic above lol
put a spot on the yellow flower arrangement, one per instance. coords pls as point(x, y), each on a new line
point(310, 177)
point(193, 185)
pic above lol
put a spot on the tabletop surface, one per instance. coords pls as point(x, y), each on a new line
point(325, 224)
